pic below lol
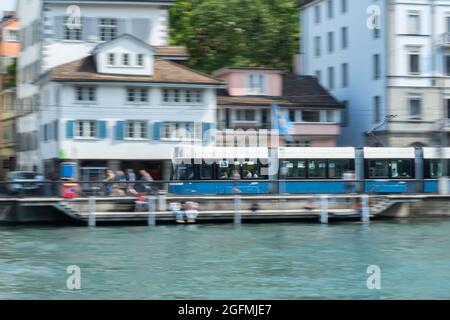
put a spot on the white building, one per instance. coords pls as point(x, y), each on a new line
point(401, 69)
point(109, 94)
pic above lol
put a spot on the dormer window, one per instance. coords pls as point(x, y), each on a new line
point(125, 59)
point(108, 29)
point(140, 60)
point(111, 59)
point(256, 84)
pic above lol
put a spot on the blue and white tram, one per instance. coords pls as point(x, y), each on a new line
point(315, 170)
point(432, 162)
point(210, 170)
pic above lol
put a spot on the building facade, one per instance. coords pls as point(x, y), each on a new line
point(246, 107)
point(388, 61)
point(9, 51)
point(110, 93)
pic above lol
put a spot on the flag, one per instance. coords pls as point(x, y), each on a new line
point(281, 122)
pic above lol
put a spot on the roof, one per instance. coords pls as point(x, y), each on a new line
point(298, 92)
point(303, 3)
point(165, 71)
point(149, 1)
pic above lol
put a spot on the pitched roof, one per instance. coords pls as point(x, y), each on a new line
point(298, 92)
point(171, 51)
point(165, 72)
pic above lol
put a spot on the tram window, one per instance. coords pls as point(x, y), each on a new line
point(401, 169)
point(337, 168)
point(378, 169)
point(184, 172)
point(435, 167)
point(226, 169)
point(317, 169)
point(206, 171)
point(296, 169)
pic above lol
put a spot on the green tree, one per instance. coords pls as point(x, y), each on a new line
point(221, 33)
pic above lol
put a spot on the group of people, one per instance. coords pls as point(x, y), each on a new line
point(235, 175)
point(189, 214)
point(124, 183)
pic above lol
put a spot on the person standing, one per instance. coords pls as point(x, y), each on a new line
point(131, 178)
point(109, 182)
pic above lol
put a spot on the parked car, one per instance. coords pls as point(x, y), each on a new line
point(23, 182)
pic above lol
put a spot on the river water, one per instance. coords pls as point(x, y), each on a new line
point(257, 261)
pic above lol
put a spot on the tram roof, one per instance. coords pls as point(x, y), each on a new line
point(316, 153)
point(389, 153)
point(435, 153)
point(199, 152)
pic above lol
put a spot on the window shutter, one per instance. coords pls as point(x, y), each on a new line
point(120, 27)
point(120, 130)
point(101, 129)
point(156, 131)
point(58, 28)
point(150, 131)
point(141, 28)
point(69, 129)
point(56, 130)
point(89, 28)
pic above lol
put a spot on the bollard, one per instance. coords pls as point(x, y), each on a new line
point(91, 218)
point(151, 211)
point(162, 203)
point(237, 210)
point(324, 209)
point(365, 210)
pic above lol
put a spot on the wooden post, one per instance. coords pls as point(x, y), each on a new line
point(324, 209)
point(91, 217)
point(365, 210)
point(237, 209)
point(151, 211)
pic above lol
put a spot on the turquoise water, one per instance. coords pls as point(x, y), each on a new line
point(261, 261)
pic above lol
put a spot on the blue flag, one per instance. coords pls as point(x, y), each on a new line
point(281, 122)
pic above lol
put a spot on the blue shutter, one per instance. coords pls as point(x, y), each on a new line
point(120, 130)
point(141, 28)
point(156, 130)
point(206, 126)
point(56, 130)
point(101, 129)
point(69, 129)
point(58, 27)
point(89, 27)
point(150, 131)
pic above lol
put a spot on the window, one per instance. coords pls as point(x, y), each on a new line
point(414, 23)
point(140, 60)
point(414, 63)
point(108, 29)
point(181, 131)
point(184, 172)
point(136, 130)
point(85, 129)
point(344, 37)
point(337, 168)
point(295, 169)
point(292, 115)
point(344, 114)
point(256, 83)
point(111, 59)
point(330, 78)
point(12, 35)
point(317, 169)
point(245, 115)
point(376, 33)
point(343, 6)
point(310, 116)
point(85, 94)
point(401, 169)
point(376, 108)
point(330, 116)
point(330, 42)
point(72, 33)
point(318, 75)
point(206, 171)
point(125, 59)
point(447, 65)
point(376, 66)
point(344, 75)
point(137, 95)
point(378, 169)
point(448, 24)
point(448, 108)
point(318, 50)
point(317, 13)
point(194, 96)
point(330, 9)
point(415, 107)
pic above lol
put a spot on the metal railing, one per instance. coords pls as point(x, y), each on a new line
point(74, 189)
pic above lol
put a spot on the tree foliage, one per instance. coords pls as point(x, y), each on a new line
point(222, 33)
